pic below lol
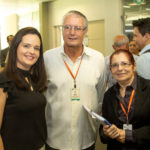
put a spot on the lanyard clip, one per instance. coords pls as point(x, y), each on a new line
point(75, 84)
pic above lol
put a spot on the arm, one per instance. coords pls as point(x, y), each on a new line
point(3, 97)
point(113, 133)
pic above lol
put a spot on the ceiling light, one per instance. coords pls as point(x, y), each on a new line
point(128, 24)
point(126, 6)
point(128, 30)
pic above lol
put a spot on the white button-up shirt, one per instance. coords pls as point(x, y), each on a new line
point(69, 125)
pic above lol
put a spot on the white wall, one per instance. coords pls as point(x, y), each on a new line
point(108, 10)
point(9, 26)
point(12, 23)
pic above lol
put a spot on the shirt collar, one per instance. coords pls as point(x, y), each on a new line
point(85, 51)
point(145, 49)
point(132, 86)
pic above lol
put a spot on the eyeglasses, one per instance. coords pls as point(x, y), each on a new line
point(122, 64)
point(76, 28)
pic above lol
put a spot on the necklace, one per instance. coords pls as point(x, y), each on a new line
point(27, 80)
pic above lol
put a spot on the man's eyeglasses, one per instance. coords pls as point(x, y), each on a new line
point(76, 28)
point(122, 64)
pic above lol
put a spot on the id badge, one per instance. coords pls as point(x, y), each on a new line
point(127, 126)
point(75, 94)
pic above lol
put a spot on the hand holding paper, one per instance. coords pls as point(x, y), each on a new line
point(95, 115)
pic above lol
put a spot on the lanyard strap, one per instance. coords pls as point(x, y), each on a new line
point(129, 106)
point(74, 77)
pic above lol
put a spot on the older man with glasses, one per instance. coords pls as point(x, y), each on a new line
point(76, 77)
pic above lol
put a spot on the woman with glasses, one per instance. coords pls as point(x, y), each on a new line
point(126, 106)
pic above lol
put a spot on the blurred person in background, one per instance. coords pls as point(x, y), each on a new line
point(134, 49)
point(119, 42)
point(4, 52)
point(142, 38)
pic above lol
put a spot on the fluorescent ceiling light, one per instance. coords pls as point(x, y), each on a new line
point(128, 30)
point(126, 6)
point(137, 17)
point(128, 24)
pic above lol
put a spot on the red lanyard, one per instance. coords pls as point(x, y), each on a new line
point(129, 106)
point(74, 77)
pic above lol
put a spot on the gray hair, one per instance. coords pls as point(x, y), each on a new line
point(120, 40)
point(78, 14)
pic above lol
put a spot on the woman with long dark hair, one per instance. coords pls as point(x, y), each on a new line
point(22, 104)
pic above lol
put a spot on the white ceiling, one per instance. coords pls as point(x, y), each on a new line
point(8, 7)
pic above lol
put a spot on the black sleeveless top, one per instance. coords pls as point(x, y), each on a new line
point(23, 126)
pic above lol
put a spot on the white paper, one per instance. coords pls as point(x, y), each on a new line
point(96, 116)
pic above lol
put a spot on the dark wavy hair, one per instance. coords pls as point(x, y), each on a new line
point(143, 25)
point(38, 72)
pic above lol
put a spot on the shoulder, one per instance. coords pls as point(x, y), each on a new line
point(109, 97)
point(110, 91)
point(3, 80)
point(3, 77)
point(144, 55)
point(52, 51)
point(5, 83)
point(142, 82)
point(110, 94)
point(93, 52)
point(95, 56)
point(52, 57)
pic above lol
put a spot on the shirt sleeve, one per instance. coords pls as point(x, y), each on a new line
point(129, 136)
point(5, 83)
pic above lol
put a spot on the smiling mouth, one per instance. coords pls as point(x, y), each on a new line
point(29, 57)
point(121, 74)
point(72, 39)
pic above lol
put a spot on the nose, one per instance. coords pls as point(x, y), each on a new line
point(120, 67)
point(72, 30)
point(31, 50)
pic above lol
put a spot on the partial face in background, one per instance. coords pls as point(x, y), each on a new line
point(139, 38)
point(133, 48)
point(73, 30)
point(121, 67)
point(10, 38)
point(28, 51)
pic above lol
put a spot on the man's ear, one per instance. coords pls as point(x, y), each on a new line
point(147, 36)
point(113, 47)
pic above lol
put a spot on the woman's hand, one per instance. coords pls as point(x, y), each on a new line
point(111, 132)
point(114, 133)
point(121, 137)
